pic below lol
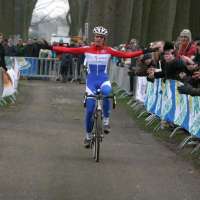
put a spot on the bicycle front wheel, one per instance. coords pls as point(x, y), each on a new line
point(98, 134)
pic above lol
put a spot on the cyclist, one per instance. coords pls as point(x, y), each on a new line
point(98, 56)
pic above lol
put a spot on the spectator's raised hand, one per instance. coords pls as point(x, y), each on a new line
point(182, 75)
point(150, 50)
point(187, 60)
point(150, 70)
point(192, 67)
point(151, 75)
point(196, 75)
point(185, 89)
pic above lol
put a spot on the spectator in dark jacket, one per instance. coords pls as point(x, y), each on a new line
point(36, 48)
point(28, 49)
point(20, 48)
point(10, 49)
point(132, 46)
point(197, 55)
point(172, 67)
point(150, 61)
point(187, 88)
point(66, 65)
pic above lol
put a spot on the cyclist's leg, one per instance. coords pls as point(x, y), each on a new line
point(90, 106)
point(106, 89)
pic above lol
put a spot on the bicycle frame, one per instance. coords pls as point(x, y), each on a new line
point(97, 117)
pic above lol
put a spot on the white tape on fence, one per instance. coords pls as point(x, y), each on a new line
point(120, 76)
point(125, 79)
point(141, 86)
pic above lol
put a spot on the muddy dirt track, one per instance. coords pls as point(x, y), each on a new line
point(42, 156)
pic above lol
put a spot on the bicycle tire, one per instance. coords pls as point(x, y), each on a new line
point(98, 134)
point(93, 146)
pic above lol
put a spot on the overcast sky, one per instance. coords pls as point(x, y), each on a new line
point(52, 8)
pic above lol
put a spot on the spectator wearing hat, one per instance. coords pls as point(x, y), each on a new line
point(186, 46)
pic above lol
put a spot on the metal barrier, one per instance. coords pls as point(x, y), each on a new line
point(75, 69)
point(78, 72)
point(50, 68)
point(39, 67)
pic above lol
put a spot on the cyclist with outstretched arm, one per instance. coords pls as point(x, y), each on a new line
point(98, 56)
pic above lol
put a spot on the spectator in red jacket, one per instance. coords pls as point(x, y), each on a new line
point(186, 46)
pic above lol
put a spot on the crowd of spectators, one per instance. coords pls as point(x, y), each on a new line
point(20, 48)
point(176, 60)
point(37, 48)
point(70, 63)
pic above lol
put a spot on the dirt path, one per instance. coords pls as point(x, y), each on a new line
point(42, 157)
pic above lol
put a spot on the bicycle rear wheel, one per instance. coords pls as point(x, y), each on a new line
point(98, 133)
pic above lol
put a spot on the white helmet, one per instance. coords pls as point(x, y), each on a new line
point(100, 30)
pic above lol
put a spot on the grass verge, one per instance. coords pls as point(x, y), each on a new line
point(162, 135)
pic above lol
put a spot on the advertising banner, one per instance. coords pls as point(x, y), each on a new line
point(166, 102)
point(11, 77)
point(194, 116)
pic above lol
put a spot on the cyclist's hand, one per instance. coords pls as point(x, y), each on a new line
point(50, 47)
point(47, 46)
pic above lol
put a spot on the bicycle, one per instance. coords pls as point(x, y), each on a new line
point(97, 132)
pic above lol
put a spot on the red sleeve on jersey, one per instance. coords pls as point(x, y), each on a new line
point(78, 50)
point(123, 54)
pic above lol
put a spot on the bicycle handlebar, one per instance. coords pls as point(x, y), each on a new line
point(99, 96)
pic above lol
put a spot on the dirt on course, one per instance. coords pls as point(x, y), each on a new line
point(42, 156)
